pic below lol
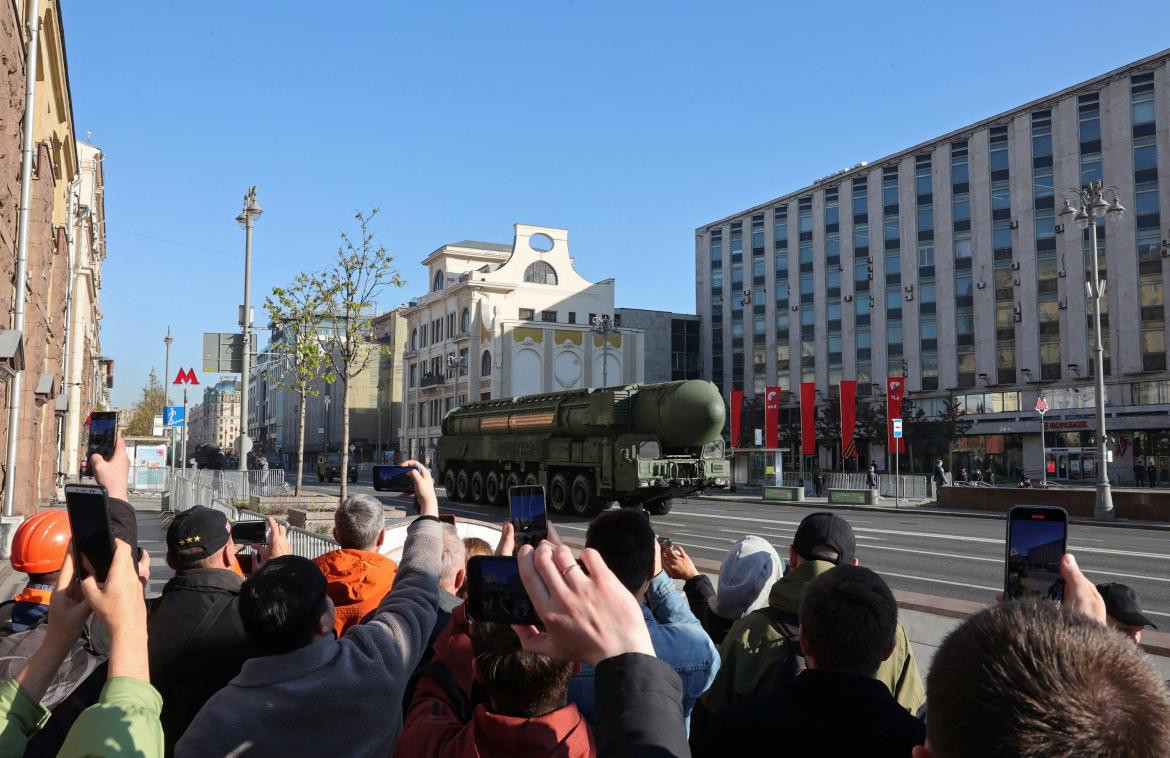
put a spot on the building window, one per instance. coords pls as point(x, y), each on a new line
point(485, 364)
point(572, 317)
point(465, 321)
point(527, 314)
point(540, 273)
point(549, 317)
point(412, 372)
point(439, 281)
point(414, 339)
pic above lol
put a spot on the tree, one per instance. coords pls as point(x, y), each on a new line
point(348, 293)
point(916, 427)
point(299, 359)
point(149, 405)
point(871, 427)
point(952, 423)
point(828, 423)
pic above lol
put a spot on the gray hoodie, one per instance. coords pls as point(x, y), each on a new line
point(332, 697)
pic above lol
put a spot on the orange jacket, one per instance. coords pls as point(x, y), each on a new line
point(357, 582)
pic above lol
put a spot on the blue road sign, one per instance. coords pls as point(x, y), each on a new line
point(897, 428)
point(174, 416)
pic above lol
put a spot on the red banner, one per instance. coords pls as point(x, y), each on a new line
point(808, 415)
point(848, 417)
point(736, 414)
point(895, 389)
point(772, 417)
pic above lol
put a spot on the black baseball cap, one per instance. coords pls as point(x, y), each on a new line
point(822, 534)
point(197, 533)
point(1121, 604)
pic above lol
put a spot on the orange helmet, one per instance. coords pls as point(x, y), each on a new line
point(39, 545)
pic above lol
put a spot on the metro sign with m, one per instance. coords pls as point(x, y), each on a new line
point(186, 376)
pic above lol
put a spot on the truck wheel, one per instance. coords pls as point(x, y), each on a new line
point(558, 494)
point(531, 479)
point(581, 496)
point(477, 493)
point(513, 480)
point(659, 507)
point(493, 488)
point(462, 484)
point(449, 483)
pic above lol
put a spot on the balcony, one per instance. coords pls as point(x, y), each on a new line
point(431, 380)
point(461, 336)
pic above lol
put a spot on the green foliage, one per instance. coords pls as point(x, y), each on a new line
point(299, 359)
point(828, 423)
point(871, 424)
point(149, 405)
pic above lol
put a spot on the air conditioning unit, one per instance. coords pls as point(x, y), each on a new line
point(1017, 309)
point(1016, 281)
point(1014, 224)
point(848, 298)
point(1017, 318)
point(795, 308)
point(909, 288)
point(980, 285)
point(909, 298)
point(1060, 228)
point(1015, 265)
point(1062, 304)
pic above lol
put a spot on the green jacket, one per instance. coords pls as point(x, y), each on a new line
point(753, 649)
point(124, 721)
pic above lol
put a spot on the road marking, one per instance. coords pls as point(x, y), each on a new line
point(939, 581)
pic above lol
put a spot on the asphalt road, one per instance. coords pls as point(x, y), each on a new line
point(949, 556)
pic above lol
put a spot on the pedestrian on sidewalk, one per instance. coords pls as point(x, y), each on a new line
point(871, 477)
point(818, 482)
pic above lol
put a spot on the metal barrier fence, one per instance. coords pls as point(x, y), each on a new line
point(912, 486)
point(304, 543)
point(148, 478)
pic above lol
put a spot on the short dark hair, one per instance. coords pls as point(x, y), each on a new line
point(850, 620)
point(520, 684)
point(281, 604)
point(626, 543)
point(1036, 679)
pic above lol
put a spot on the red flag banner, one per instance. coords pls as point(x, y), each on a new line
point(895, 389)
point(736, 415)
point(808, 424)
point(772, 417)
point(848, 417)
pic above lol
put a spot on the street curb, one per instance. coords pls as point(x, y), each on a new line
point(939, 512)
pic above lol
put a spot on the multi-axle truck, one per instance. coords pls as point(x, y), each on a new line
point(637, 445)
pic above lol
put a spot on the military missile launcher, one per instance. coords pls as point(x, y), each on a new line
point(635, 444)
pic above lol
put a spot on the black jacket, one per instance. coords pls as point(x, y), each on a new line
point(639, 708)
point(197, 643)
point(817, 713)
point(699, 590)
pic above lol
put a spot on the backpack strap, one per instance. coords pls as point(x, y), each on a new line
point(788, 625)
point(213, 613)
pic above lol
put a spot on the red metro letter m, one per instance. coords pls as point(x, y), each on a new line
point(186, 376)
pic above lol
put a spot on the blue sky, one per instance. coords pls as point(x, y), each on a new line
point(629, 123)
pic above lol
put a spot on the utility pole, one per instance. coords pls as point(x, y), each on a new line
point(246, 219)
point(167, 340)
point(604, 325)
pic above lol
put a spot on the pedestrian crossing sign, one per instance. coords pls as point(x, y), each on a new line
point(174, 416)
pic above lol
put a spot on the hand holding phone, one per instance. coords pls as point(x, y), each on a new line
point(527, 514)
point(1037, 538)
point(495, 591)
point(88, 507)
point(103, 433)
point(251, 533)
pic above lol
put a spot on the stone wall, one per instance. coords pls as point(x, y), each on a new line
point(1143, 505)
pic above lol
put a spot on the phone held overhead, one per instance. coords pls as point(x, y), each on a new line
point(1037, 537)
point(391, 478)
point(251, 533)
point(528, 515)
point(103, 434)
point(88, 506)
point(496, 593)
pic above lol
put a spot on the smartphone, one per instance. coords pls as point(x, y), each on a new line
point(1037, 536)
point(495, 592)
point(246, 561)
point(393, 478)
point(88, 507)
point(668, 545)
point(103, 433)
point(447, 518)
point(250, 533)
point(528, 515)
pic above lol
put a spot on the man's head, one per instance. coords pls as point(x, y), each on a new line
point(453, 567)
point(1123, 611)
point(1037, 679)
point(39, 546)
point(627, 545)
point(823, 536)
point(848, 621)
point(520, 684)
point(359, 522)
point(200, 538)
point(284, 605)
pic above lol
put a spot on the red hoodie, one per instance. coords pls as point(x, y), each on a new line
point(357, 582)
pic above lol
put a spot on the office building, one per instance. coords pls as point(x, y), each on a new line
point(948, 263)
point(672, 343)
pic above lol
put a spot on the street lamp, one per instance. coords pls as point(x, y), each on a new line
point(328, 401)
point(1092, 206)
point(604, 325)
point(167, 340)
point(456, 364)
point(246, 219)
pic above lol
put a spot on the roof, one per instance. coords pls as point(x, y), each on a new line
point(493, 246)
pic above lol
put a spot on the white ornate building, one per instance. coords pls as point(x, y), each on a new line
point(503, 321)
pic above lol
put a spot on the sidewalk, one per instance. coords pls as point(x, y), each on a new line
point(923, 507)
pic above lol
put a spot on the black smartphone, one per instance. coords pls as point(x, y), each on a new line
point(495, 592)
point(393, 478)
point(250, 533)
point(528, 514)
point(103, 434)
point(247, 562)
point(88, 506)
point(1037, 536)
point(666, 544)
point(447, 518)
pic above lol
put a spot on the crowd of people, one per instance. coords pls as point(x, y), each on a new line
point(798, 651)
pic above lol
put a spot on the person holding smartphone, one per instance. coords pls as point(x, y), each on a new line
point(197, 641)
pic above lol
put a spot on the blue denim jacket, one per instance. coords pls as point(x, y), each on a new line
point(678, 638)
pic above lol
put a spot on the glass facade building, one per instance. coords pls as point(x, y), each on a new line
point(949, 264)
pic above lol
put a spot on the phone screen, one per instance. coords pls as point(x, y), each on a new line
point(250, 532)
point(89, 520)
point(103, 433)
point(447, 518)
point(1037, 536)
point(393, 478)
point(495, 591)
point(529, 518)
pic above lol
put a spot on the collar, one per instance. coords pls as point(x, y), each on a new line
point(842, 685)
point(273, 669)
point(786, 592)
point(205, 579)
point(38, 594)
point(448, 602)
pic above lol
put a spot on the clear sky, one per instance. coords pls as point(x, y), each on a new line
point(628, 123)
